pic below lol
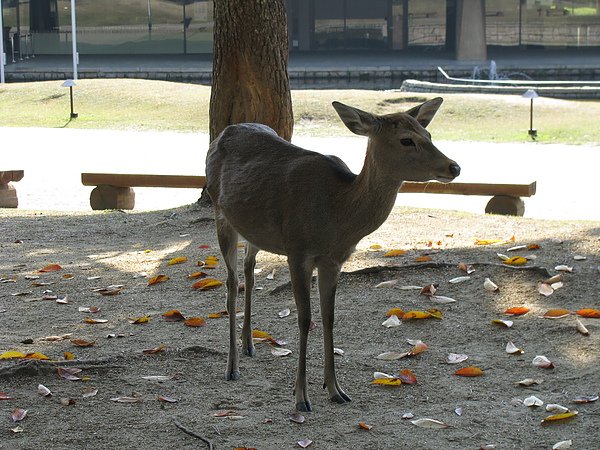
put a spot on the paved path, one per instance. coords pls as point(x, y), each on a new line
point(53, 160)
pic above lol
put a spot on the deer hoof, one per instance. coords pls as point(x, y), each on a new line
point(251, 351)
point(232, 376)
point(303, 406)
point(341, 398)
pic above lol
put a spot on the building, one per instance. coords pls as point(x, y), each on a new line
point(465, 28)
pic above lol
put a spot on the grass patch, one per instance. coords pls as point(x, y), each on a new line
point(124, 104)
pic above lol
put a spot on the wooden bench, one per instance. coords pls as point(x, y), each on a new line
point(8, 193)
point(114, 191)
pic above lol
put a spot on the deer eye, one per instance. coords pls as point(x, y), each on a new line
point(407, 142)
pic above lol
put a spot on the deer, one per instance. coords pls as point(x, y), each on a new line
point(310, 207)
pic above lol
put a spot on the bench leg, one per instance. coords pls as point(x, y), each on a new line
point(505, 205)
point(112, 197)
point(8, 196)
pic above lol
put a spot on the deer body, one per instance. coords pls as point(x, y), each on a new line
point(313, 209)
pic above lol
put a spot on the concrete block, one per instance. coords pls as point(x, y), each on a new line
point(8, 196)
point(112, 197)
point(505, 205)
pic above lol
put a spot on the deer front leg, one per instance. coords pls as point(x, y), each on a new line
point(228, 242)
point(328, 280)
point(249, 265)
point(301, 274)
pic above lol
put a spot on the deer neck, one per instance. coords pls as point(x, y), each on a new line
point(372, 196)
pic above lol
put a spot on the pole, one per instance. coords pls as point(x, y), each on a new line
point(74, 39)
point(71, 94)
point(149, 20)
point(531, 116)
point(2, 54)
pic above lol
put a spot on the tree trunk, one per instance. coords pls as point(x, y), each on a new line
point(250, 79)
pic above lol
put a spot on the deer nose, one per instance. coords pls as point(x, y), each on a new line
point(454, 170)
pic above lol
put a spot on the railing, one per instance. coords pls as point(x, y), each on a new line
point(23, 47)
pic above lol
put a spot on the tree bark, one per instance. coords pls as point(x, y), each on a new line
point(250, 79)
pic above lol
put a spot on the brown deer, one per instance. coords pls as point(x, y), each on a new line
point(313, 209)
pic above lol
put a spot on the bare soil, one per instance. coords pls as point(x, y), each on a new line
point(117, 247)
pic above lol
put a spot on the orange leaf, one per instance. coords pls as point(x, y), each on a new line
point(489, 241)
point(195, 322)
point(178, 260)
point(218, 315)
point(173, 316)
point(138, 320)
point(364, 426)
point(589, 313)
point(395, 312)
point(387, 382)
point(68, 276)
point(50, 268)
point(556, 313)
point(515, 261)
point(82, 343)
point(419, 347)
point(157, 279)
point(408, 377)
point(69, 356)
point(467, 268)
point(395, 252)
point(471, 371)
point(517, 310)
point(207, 283)
point(429, 290)
point(416, 315)
point(196, 275)
point(534, 247)
point(423, 258)
point(155, 350)
point(36, 355)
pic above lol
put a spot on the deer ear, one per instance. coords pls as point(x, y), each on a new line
point(425, 112)
point(357, 121)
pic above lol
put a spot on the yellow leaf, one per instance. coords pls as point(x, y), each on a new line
point(558, 417)
point(515, 261)
point(257, 334)
point(395, 252)
point(416, 315)
point(489, 241)
point(11, 354)
point(138, 320)
point(69, 356)
point(395, 312)
point(36, 355)
point(387, 381)
point(157, 279)
point(423, 258)
point(435, 313)
point(375, 247)
point(196, 275)
point(178, 260)
point(207, 283)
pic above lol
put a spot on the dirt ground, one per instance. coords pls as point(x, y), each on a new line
point(115, 248)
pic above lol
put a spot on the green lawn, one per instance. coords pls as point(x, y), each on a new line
point(158, 105)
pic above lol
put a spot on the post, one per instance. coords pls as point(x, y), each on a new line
point(149, 20)
point(2, 54)
point(531, 116)
point(74, 39)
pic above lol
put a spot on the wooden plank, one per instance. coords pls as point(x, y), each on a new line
point(141, 180)
point(7, 176)
point(511, 190)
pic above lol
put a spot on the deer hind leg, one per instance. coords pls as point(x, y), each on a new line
point(227, 237)
point(301, 274)
point(328, 280)
point(249, 265)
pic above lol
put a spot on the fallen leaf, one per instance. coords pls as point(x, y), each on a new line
point(173, 315)
point(515, 261)
point(543, 362)
point(195, 275)
point(390, 356)
point(69, 373)
point(589, 313)
point(489, 285)
point(258, 334)
point(470, 371)
point(503, 323)
point(305, 443)
point(284, 313)
point(391, 322)
point(394, 312)
point(562, 445)
point(554, 279)
point(423, 258)
point(43, 391)
point(395, 252)
point(559, 417)
point(581, 327)
point(207, 283)
point(89, 392)
point(556, 313)
point(392, 382)
point(18, 414)
point(12, 354)
point(467, 268)
point(457, 280)
point(5, 396)
point(338, 351)
point(159, 378)
point(556, 408)
point(114, 289)
point(375, 247)
point(429, 423)
point(89, 309)
point(177, 260)
point(387, 284)
point(585, 399)
point(165, 399)
point(579, 258)
point(407, 377)
point(545, 289)
point(125, 399)
point(418, 347)
point(68, 276)
point(429, 290)
point(280, 351)
point(157, 279)
point(564, 268)
point(194, 322)
point(155, 350)
point(407, 415)
point(412, 315)
point(364, 426)
point(512, 349)
point(441, 299)
point(69, 356)
point(139, 320)
point(50, 268)
point(532, 401)
point(82, 343)
point(90, 320)
point(455, 358)
point(517, 310)
point(436, 313)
